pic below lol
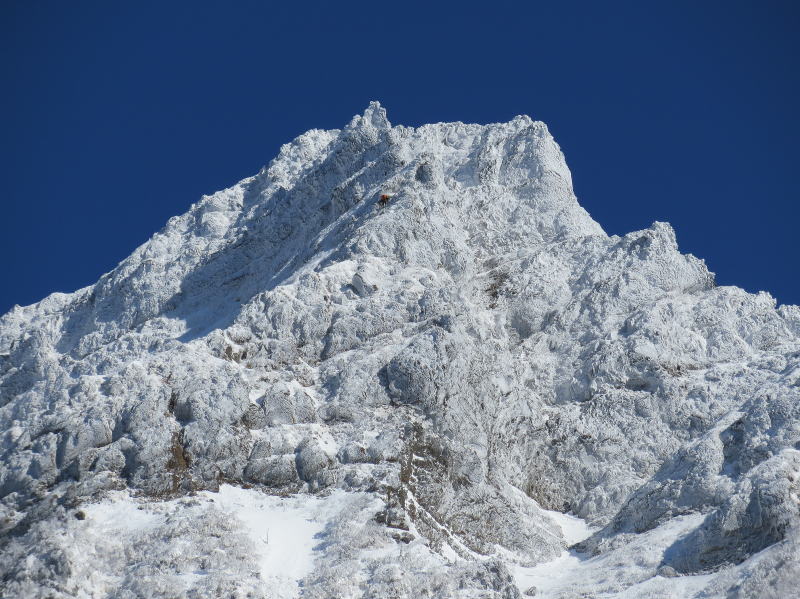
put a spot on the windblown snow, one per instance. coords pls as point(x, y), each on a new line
point(401, 362)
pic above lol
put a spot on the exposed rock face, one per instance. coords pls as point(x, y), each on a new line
point(455, 357)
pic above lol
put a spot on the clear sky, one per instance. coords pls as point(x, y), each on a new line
point(118, 115)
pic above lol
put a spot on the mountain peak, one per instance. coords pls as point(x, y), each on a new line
point(399, 355)
point(374, 117)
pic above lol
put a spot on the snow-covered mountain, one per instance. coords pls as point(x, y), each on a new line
point(401, 362)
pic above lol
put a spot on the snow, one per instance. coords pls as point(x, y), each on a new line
point(624, 572)
point(120, 514)
point(283, 532)
point(573, 529)
point(549, 576)
point(281, 536)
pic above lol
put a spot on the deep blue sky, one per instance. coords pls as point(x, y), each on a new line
point(117, 116)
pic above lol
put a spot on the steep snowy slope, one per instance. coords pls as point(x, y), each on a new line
point(299, 389)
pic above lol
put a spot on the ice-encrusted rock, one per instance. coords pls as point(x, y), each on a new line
point(467, 352)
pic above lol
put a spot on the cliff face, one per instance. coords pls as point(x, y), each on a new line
point(422, 375)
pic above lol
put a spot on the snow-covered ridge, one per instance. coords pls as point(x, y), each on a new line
point(423, 328)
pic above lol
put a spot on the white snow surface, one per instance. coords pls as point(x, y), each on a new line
point(573, 529)
point(544, 577)
point(298, 389)
point(282, 529)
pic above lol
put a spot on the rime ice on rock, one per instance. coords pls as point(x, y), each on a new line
point(420, 380)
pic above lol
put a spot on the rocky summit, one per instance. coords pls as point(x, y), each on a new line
point(401, 363)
